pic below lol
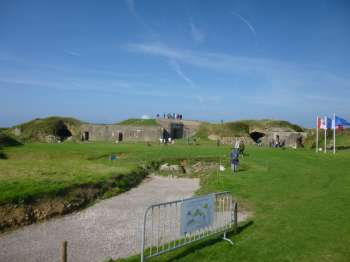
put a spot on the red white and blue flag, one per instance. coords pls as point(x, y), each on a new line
point(324, 122)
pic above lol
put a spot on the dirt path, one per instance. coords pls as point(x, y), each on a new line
point(106, 229)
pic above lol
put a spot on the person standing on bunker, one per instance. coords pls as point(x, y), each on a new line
point(234, 159)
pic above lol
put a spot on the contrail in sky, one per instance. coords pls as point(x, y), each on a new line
point(251, 28)
point(180, 73)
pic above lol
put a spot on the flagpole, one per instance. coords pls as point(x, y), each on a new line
point(317, 134)
point(325, 135)
point(334, 133)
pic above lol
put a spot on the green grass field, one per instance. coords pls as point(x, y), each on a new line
point(36, 170)
point(300, 200)
point(300, 203)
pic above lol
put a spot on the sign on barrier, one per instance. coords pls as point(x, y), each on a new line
point(170, 225)
point(196, 214)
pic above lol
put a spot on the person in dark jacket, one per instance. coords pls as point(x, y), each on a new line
point(234, 159)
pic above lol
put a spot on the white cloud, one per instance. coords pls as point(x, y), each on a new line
point(278, 80)
point(196, 33)
point(215, 61)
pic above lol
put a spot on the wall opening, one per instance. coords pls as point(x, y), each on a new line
point(62, 131)
point(256, 136)
point(176, 130)
point(120, 137)
point(85, 136)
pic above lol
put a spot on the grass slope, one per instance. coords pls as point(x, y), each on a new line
point(139, 122)
point(6, 140)
point(37, 169)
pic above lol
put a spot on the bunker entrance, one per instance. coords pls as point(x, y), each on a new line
point(85, 136)
point(256, 136)
point(120, 136)
point(176, 130)
point(62, 131)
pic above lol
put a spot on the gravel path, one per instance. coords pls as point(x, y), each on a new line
point(107, 229)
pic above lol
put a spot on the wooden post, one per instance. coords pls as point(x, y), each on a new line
point(64, 251)
point(236, 217)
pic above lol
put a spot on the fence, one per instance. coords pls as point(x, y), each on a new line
point(171, 225)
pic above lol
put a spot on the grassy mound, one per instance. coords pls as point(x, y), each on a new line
point(243, 127)
point(37, 129)
point(139, 122)
point(269, 123)
point(6, 139)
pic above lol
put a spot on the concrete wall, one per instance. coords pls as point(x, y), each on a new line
point(130, 133)
point(290, 138)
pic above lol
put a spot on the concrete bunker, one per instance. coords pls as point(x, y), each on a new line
point(257, 136)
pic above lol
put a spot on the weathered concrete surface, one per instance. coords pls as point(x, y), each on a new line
point(129, 132)
point(106, 229)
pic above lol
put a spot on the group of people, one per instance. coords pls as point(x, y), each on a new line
point(277, 142)
point(171, 116)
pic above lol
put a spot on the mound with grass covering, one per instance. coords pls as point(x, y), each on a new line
point(60, 128)
point(6, 139)
point(139, 122)
point(244, 127)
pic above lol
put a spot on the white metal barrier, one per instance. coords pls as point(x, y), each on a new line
point(171, 225)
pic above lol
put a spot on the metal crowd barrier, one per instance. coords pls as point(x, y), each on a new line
point(163, 224)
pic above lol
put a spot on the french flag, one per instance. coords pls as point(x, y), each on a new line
point(324, 122)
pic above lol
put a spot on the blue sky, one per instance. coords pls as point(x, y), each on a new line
point(104, 61)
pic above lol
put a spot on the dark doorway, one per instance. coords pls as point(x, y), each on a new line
point(256, 136)
point(86, 136)
point(62, 131)
point(120, 137)
point(176, 130)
